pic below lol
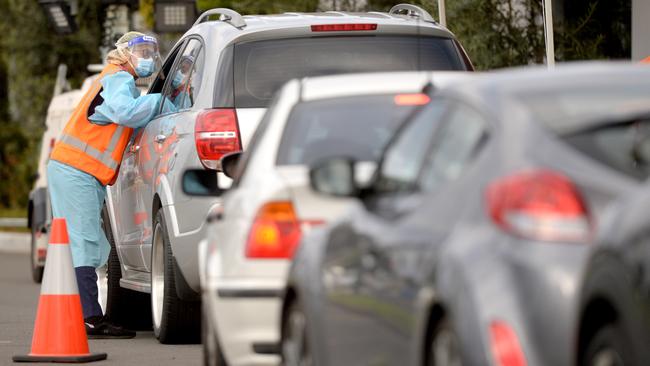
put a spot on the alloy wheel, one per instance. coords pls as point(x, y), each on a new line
point(444, 350)
point(295, 350)
point(157, 278)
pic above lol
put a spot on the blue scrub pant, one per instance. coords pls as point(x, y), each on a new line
point(79, 197)
point(87, 282)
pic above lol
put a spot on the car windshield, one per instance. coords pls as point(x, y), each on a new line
point(261, 67)
point(356, 127)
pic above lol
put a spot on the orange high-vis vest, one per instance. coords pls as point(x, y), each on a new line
point(92, 148)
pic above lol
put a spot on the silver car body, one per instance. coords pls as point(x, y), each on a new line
point(146, 185)
point(243, 295)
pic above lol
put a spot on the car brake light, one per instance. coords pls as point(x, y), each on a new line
point(216, 134)
point(505, 346)
point(412, 99)
point(541, 205)
point(343, 27)
point(276, 231)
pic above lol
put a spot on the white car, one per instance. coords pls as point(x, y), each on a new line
point(245, 259)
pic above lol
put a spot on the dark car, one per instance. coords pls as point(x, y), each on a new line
point(468, 245)
point(615, 295)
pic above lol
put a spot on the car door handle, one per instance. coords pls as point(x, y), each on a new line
point(134, 148)
point(160, 138)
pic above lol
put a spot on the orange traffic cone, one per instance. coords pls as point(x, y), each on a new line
point(59, 331)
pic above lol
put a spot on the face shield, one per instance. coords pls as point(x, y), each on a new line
point(145, 58)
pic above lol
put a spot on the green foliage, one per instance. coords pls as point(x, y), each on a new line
point(30, 52)
point(147, 10)
point(259, 6)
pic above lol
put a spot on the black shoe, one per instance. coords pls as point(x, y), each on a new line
point(98, 327)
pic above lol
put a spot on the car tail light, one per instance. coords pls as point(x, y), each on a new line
point(343, 27)
point(505, 346)
point(276, 231)
point(216, 133)
point(540, 205)
point(412, 99)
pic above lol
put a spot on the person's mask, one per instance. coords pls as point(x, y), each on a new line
point(145, 67)
point(178, 80)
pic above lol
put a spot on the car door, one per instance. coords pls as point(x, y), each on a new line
point(165, 133)
point(393, 241)
point(354, 337)
point(131, 212)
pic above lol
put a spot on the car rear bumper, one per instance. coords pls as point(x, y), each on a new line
point(246, 315)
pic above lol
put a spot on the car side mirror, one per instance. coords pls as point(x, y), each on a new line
point(230, 164)
point(334, 177)
point(201, 182)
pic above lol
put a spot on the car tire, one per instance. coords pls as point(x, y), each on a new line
point(124, 307)
point(37, 270)
point(295, 346)
point(212, 355)
point(609, 347)
point(444, 348)
point(174, 320)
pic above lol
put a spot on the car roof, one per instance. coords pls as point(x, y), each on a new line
point(527, 79)
point(298, 23)
point(334, 86)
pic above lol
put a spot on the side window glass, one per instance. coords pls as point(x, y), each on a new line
point(403, 158)
point(159, 81)
point(185, 79)
point(454, 146)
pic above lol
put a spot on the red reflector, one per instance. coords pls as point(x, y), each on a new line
point(412, 99)
point(276, 231)
point(52, 142)
point(343, 27)
point(216, 134)
point(505, 345)
point(541, 205)
point(41, 253)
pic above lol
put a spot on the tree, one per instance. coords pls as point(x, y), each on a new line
point(30, 52)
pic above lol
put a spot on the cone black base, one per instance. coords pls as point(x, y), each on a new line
point(62, 359)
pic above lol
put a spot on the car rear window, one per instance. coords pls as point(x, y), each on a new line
point(585, 118)
point(624, 147)
point(569, 109)
point(261, 67)
point(357, 127)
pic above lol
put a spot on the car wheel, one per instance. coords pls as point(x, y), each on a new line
point(295, 348)
point(124, 307)
point(212, 355)
point(37, 270)
point(444, 347)
point(609, 347)
point(174, 320)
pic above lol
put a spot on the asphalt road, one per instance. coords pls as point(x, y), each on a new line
point(18, 303)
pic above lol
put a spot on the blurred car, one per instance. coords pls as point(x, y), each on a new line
point(245, 259)
point(615, 302)
point(467, 246)
point(238, 62)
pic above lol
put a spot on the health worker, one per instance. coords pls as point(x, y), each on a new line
point(87, 156)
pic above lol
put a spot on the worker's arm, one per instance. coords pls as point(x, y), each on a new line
point(123, 103)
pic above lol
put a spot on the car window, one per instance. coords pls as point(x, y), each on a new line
point(356, 127)
point(404, 156)
point(255, 140)
point(159, 81)
point(454, 145)
point(185, 79)
point(261, 67)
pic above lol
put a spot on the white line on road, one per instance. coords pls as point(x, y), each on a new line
point(14, 242)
